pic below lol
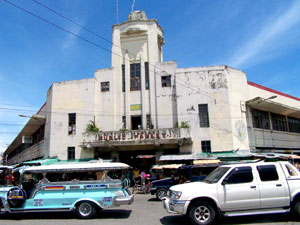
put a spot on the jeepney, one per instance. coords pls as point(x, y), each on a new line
point(80, 187)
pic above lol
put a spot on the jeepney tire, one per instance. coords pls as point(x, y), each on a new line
point(86, 210)
point(202, 213)
point(161, 193)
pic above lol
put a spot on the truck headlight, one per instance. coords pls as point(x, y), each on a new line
point(175, 194)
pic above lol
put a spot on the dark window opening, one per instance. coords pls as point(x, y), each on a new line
point(279, 122)
point(205, 145)
point(72, 124)
point(166, 81)
point(146, 75)
point(149, 122)
point(294, 125)
point(105, 86)
point(260, 119)
point(136, 122)
point(267, 173)
point(124, 122)
point(240, 175)
point(123, 78)
point(71, 153)
point(203, 115)
point(135, 77)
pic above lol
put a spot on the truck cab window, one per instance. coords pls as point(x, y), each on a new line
point(240, 175)
point(267, 173)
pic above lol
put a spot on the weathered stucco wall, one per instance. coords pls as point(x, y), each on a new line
point(70, 97)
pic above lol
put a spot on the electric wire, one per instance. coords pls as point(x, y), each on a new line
point(189, 86)
point(93, 43)
point(99, 36)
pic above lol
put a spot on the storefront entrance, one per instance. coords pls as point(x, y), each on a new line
point(141, 159)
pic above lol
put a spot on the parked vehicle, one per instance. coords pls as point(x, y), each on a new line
point(186, 173)
point(6, 177)
point(80, 187)
point(236, 190)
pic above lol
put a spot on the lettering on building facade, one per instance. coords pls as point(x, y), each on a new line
point(168, 133)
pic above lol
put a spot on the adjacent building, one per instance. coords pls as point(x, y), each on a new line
point(143, 107)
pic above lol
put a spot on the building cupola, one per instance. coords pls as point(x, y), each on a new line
point(137, 15)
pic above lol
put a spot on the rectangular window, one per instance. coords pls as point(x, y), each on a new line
point(72, 124)
point(124, 122)
point(135, 77)
point(279, 122)
point(149, 122)
point(166, 81)
point(123, 78)
point(260, 119)
point(203, 115)
point(294, 125)
point(146, 75)
point(205, 145)
point(105, 86)
point(267, 173)
point(71, 153)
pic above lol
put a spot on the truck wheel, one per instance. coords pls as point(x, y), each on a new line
point(86, 210)
point(296, 209)
point(161, 193)
point(202, 213)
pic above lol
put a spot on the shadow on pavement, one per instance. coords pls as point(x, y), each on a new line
point(153, 200)
point(105, 214)
point(261, 219)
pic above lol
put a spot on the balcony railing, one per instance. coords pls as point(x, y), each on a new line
point(35, 151)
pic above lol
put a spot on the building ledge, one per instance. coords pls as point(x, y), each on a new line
point(154, 137)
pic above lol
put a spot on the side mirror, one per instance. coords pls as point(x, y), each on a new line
point(224, 182)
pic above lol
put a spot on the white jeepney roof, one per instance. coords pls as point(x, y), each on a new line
point(77, 167)
point(5, 167)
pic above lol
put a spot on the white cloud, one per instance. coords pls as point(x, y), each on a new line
point(275, 33)
point(70, 40)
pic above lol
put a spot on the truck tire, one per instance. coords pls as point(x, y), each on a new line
point(202, 213)
point(296, 209)
point(85, 210)
point(161, 193)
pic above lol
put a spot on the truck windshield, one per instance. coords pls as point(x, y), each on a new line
point(216, 175)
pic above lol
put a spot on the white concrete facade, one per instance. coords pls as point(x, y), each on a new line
point(109, 99)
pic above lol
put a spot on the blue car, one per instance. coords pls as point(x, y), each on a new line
point(187, 173)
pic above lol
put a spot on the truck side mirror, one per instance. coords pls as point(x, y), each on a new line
point(224, 181)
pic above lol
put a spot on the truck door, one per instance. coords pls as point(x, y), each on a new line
point(273, 186)
point(239, 190)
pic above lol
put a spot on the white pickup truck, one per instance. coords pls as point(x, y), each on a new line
point(237, 190)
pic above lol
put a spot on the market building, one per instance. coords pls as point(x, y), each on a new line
point(143, 107)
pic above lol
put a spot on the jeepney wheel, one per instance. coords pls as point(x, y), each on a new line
point(86, 210)
point(202, 213)
point(161, 193)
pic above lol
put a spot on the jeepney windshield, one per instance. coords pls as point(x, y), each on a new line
point(216, 175)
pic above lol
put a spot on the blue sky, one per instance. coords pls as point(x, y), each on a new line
point(259, 37)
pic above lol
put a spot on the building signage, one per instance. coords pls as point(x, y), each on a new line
point(168, 133)
point(135, 107)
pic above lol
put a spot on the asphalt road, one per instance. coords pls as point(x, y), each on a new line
point(145, 210)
